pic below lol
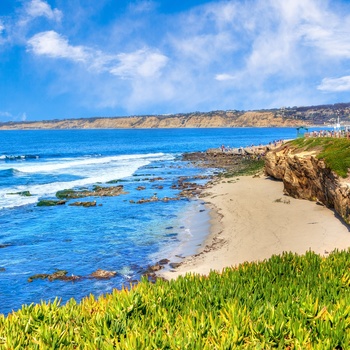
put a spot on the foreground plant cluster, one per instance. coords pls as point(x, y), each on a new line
point(286, 302)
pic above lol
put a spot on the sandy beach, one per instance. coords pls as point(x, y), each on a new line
point(252, 220)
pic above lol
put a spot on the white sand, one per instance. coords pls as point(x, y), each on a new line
point(249, 225)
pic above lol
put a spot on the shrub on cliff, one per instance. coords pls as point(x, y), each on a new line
point(335, 152)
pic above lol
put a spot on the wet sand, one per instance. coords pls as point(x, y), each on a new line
point(251, 220)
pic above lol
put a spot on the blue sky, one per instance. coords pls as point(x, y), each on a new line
point(85, 58)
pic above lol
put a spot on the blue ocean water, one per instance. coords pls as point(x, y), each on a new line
point(115, 235)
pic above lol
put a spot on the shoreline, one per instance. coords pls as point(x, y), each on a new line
point(251, 220)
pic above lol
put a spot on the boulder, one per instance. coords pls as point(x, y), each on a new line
point(103, 274)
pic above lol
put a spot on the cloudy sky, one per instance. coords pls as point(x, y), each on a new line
point(84, 58)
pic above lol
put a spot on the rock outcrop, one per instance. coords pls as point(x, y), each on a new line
point(307, 177)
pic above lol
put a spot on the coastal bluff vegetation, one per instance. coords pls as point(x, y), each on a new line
point(279, 117)
point(288, 301)
point(315, 168)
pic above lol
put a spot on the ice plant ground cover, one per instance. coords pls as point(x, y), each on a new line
point(287, 301)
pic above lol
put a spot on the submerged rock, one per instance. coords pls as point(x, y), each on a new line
point(84, 204)
point(23, 193)
point(103, 274)
point(97, 191)
point(58, 275)
point(50, 202)
point(5, 245)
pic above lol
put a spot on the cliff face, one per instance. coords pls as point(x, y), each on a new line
point(306, 177)
point(195, 120)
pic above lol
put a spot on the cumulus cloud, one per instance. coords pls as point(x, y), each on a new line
point(220, 54)
point(40, 8)
point(335, 84)
point(141, 63)
point(54, 45)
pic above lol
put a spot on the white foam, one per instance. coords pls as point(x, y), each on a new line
point(92, 170)
point(71, 163)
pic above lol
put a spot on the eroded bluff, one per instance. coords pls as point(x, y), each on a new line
point(307, 177)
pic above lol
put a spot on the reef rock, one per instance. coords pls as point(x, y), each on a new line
point(103, 274)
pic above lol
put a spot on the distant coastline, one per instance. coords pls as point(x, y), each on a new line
point(282, 117)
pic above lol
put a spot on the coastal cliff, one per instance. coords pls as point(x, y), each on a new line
point(192, 120)
point(278, 117)
point(314, 169)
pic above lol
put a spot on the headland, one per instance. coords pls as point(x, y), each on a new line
point(255, 217)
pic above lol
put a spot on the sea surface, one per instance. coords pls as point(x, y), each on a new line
point(116, 235)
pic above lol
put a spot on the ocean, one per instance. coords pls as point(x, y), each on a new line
point(116, 235)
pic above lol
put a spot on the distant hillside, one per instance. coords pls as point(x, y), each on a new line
point(291, 116)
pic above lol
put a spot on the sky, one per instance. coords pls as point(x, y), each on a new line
point(63, 59)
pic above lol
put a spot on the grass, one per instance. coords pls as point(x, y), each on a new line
point(335, 152)
point(245, 167)
point(286, 302)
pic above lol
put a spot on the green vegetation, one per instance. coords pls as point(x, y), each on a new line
point(65, 194)
point(335, 152)
point(50, 203)
point(288, 301)
point(245, 167)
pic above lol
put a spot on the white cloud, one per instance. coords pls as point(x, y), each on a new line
point(222, 54)
point(54, 45)
point(7, 116)
point(224, 77)
point(39, 8)
point(335, 84)
point(143, 63)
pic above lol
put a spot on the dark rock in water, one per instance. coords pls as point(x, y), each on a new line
point(50, 203)
point(155, 268)
point(156, 179)
point(58, 275)
point(2, 269)
point(84, 204)
point(97, 191)
point(154, 198)
point(24, 193)
point(171, 235)
point(141, 188)
point(41, 276)
point(169, 228)
point(5, 245)
point(103, 274)
point(163, 261)
point(174, 265)
point(201, 211)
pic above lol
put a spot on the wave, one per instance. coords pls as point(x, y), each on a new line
point(18, 157)
point(9, 172)
point(74, 163)
point(91, 171)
